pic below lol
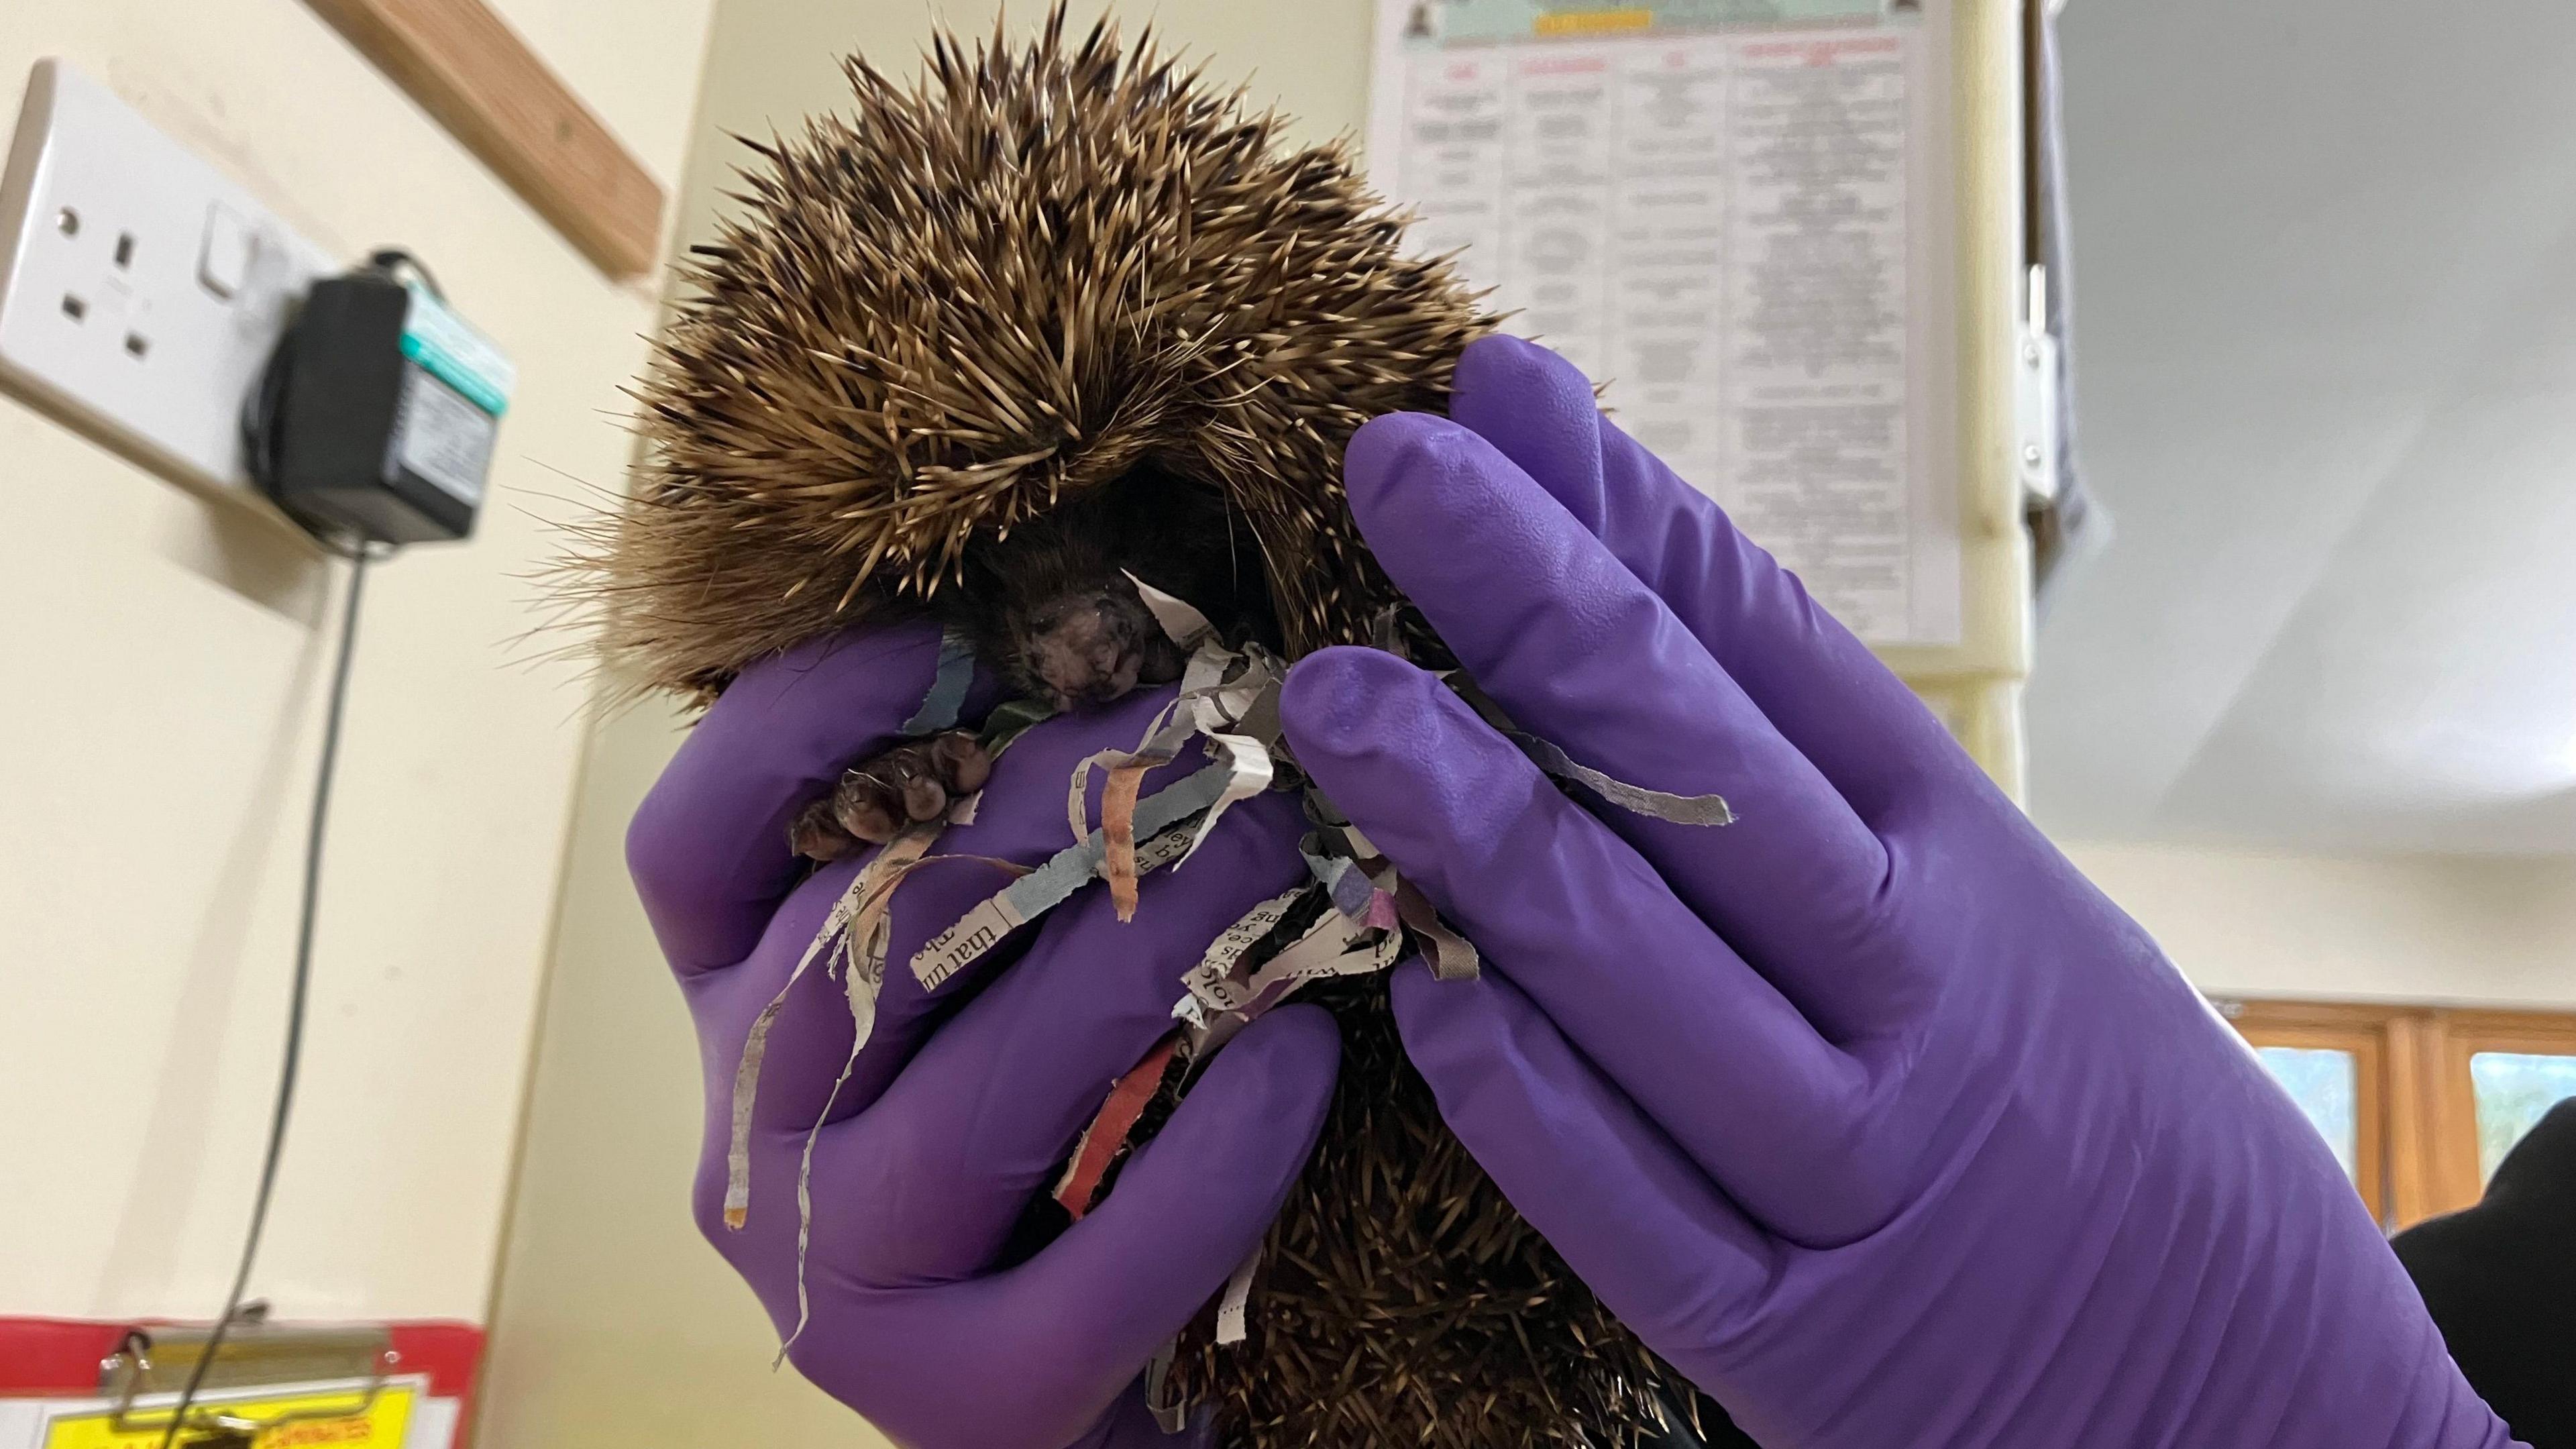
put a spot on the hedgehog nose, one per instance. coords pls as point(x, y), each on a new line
point(1084, 657)
point(1107, 673)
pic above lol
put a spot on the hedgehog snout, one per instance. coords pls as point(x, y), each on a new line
point(1087, 651)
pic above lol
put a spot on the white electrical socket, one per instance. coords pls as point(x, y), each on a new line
point(140, 289)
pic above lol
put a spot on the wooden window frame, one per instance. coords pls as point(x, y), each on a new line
point(2451, 1038)
point(2415, 1109)
point(2369, 1034)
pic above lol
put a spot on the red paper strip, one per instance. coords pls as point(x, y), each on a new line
point(1108, 1131)
point(1118, 832)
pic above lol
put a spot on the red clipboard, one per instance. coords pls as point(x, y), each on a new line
point(60, 1358)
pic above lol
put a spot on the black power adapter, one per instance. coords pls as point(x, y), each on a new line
point(375, 419)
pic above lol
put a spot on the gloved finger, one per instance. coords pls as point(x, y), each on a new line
point(978, 1121)
point(708, 847)
point(1019, 819)
point(1662, 1246)
point(1034, 1355)
point(1706, 1046)
point(1581, 653)
point(1818, 685)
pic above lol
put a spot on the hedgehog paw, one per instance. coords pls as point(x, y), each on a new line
point(876, 798)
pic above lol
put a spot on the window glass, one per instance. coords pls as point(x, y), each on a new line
point(2321, 1081)
point(2514, 1091)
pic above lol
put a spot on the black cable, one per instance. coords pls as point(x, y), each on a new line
point(359, 558)
point(391, 259)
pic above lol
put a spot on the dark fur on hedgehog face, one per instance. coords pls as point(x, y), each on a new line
point(1050, 606)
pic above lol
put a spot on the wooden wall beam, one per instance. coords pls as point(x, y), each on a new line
point(471, 71)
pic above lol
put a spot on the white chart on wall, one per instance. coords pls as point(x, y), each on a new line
point(1739, 215)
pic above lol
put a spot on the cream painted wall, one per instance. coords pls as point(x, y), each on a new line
point(166, 661)
point(616, 1326)
point(2488, 932)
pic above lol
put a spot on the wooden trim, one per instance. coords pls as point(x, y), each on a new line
point(2457, 1181)
point(2547, 1033)
point(2370, 1123)
point(474, 74)
point(2415, 1066)
point(2272, 1015)
point(2451, 1115)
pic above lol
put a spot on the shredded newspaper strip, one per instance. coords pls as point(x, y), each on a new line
point(857, 921)
point(947, 697)
point(1232, 1306)
point(1635, 799)
point(1355, 917)
point(1335, 945)
point(1041, 890)
point(1171, 1412)
point(861, 915)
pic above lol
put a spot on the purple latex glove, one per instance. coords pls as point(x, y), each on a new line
point(938, 1140)
point(1866, 1111)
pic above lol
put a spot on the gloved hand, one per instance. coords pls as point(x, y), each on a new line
point(1866, 1111)
point(936, 1142)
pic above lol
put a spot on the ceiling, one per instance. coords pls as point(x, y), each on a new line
point(2325, 309)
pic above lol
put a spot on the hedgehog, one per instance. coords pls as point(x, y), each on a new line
point(1058, 316)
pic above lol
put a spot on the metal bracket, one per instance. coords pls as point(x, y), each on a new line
point(255, 1353)
point(2035, 407)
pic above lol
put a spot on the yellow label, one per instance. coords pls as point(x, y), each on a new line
point(380, 1426)
point(1596, 22)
